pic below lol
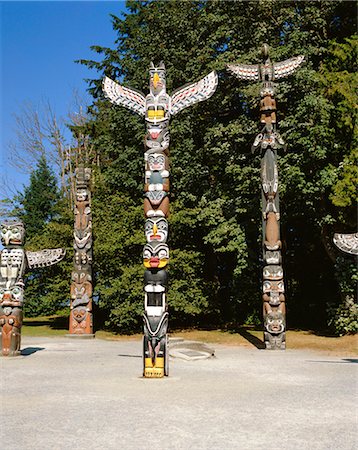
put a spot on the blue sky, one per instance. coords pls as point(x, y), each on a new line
point(39, 43)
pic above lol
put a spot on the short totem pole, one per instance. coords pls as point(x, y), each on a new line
point(268, 141)
point(81, 320)
point(157, 108)
point(14, 261)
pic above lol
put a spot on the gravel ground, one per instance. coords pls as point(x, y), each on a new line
point(89, 394)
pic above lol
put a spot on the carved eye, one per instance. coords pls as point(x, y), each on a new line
point(266, 285)
point(146, 254)
point(15, 230)
point(148, 227)
point(2, 291)
point(162, 225)
point(162, 253)
point(16, 290)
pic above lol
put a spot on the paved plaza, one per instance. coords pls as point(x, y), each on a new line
point(89, 394)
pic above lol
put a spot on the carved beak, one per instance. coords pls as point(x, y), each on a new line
point(6, 237)
point(156, 80)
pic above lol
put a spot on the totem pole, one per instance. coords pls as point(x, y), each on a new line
point(268, 142)
point(347, 243)
point(81, 321)
point(14, 261)
point(157, 108)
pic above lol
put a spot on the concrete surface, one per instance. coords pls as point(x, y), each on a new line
point(70, 394)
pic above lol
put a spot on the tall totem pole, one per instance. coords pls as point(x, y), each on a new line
point(81, 320)
point(14, 261)
point(268, 141)
point(157, 108)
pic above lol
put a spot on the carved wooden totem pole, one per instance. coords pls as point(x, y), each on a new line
point(157, 108)
point(268, 142)
point(81, 321)
point(14, 261)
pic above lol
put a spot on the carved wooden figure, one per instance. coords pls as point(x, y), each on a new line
point(157, 108)
point(268, 142)
point(14, 261)
point(81, 318)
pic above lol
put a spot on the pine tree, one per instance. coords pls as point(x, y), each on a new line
point(37, 205)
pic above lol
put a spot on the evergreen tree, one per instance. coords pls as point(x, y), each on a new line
point(215, 211)
point(37, 205)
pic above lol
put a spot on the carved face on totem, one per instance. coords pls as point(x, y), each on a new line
point(272, 273)
point(156, 229)
point(156, 161)
point(158, 136)
point(276, 286)
point(157, 101)
point(12, 233)
point(274, 322)
point(81, 195)
point(155, 255)
point(12, 296)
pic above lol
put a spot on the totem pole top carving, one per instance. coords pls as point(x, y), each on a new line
point(158, 106)
point(267, 71)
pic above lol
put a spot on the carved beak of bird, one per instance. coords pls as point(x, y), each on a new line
point(155, 230)
point(156, 80)
point(6, 237)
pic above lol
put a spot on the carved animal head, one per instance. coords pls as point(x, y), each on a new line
point(12, 233)
point(155, 255)
point(156, 229)
point(156, 161)
point(14, 294)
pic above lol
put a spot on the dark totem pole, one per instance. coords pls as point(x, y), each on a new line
point(14, 261)
point(268, 141)
point(81, 321)
point(157, 108)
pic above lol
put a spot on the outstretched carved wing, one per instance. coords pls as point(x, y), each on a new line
point(44, 258)
point(284, 68)
point(347, 243)
point(245, 71)
point(193, 93)
point(127, 97)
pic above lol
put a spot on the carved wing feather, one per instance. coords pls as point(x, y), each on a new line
point(193, 93)
point(245, 71)
point(347, 243)
point(284, 68)
point(123, 96)
point(44, 258)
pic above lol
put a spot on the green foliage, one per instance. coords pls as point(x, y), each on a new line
point(36, 206)
point(343, 318)
point(215, 210)
point(48, 289)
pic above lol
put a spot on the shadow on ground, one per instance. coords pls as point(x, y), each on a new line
point(30, 350)
point(55, 322)
point(254, 340)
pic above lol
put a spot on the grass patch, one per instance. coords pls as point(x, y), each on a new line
point(57, 325)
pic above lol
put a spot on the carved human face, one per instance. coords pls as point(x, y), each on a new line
point(155, 255)
point(12, 233)
point(81, 195)
point(156, 229)
point(13, 294)
point(156, 161)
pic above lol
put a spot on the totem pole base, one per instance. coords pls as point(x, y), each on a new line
point(273, 342)
point(156, 371)
point(80, 336)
